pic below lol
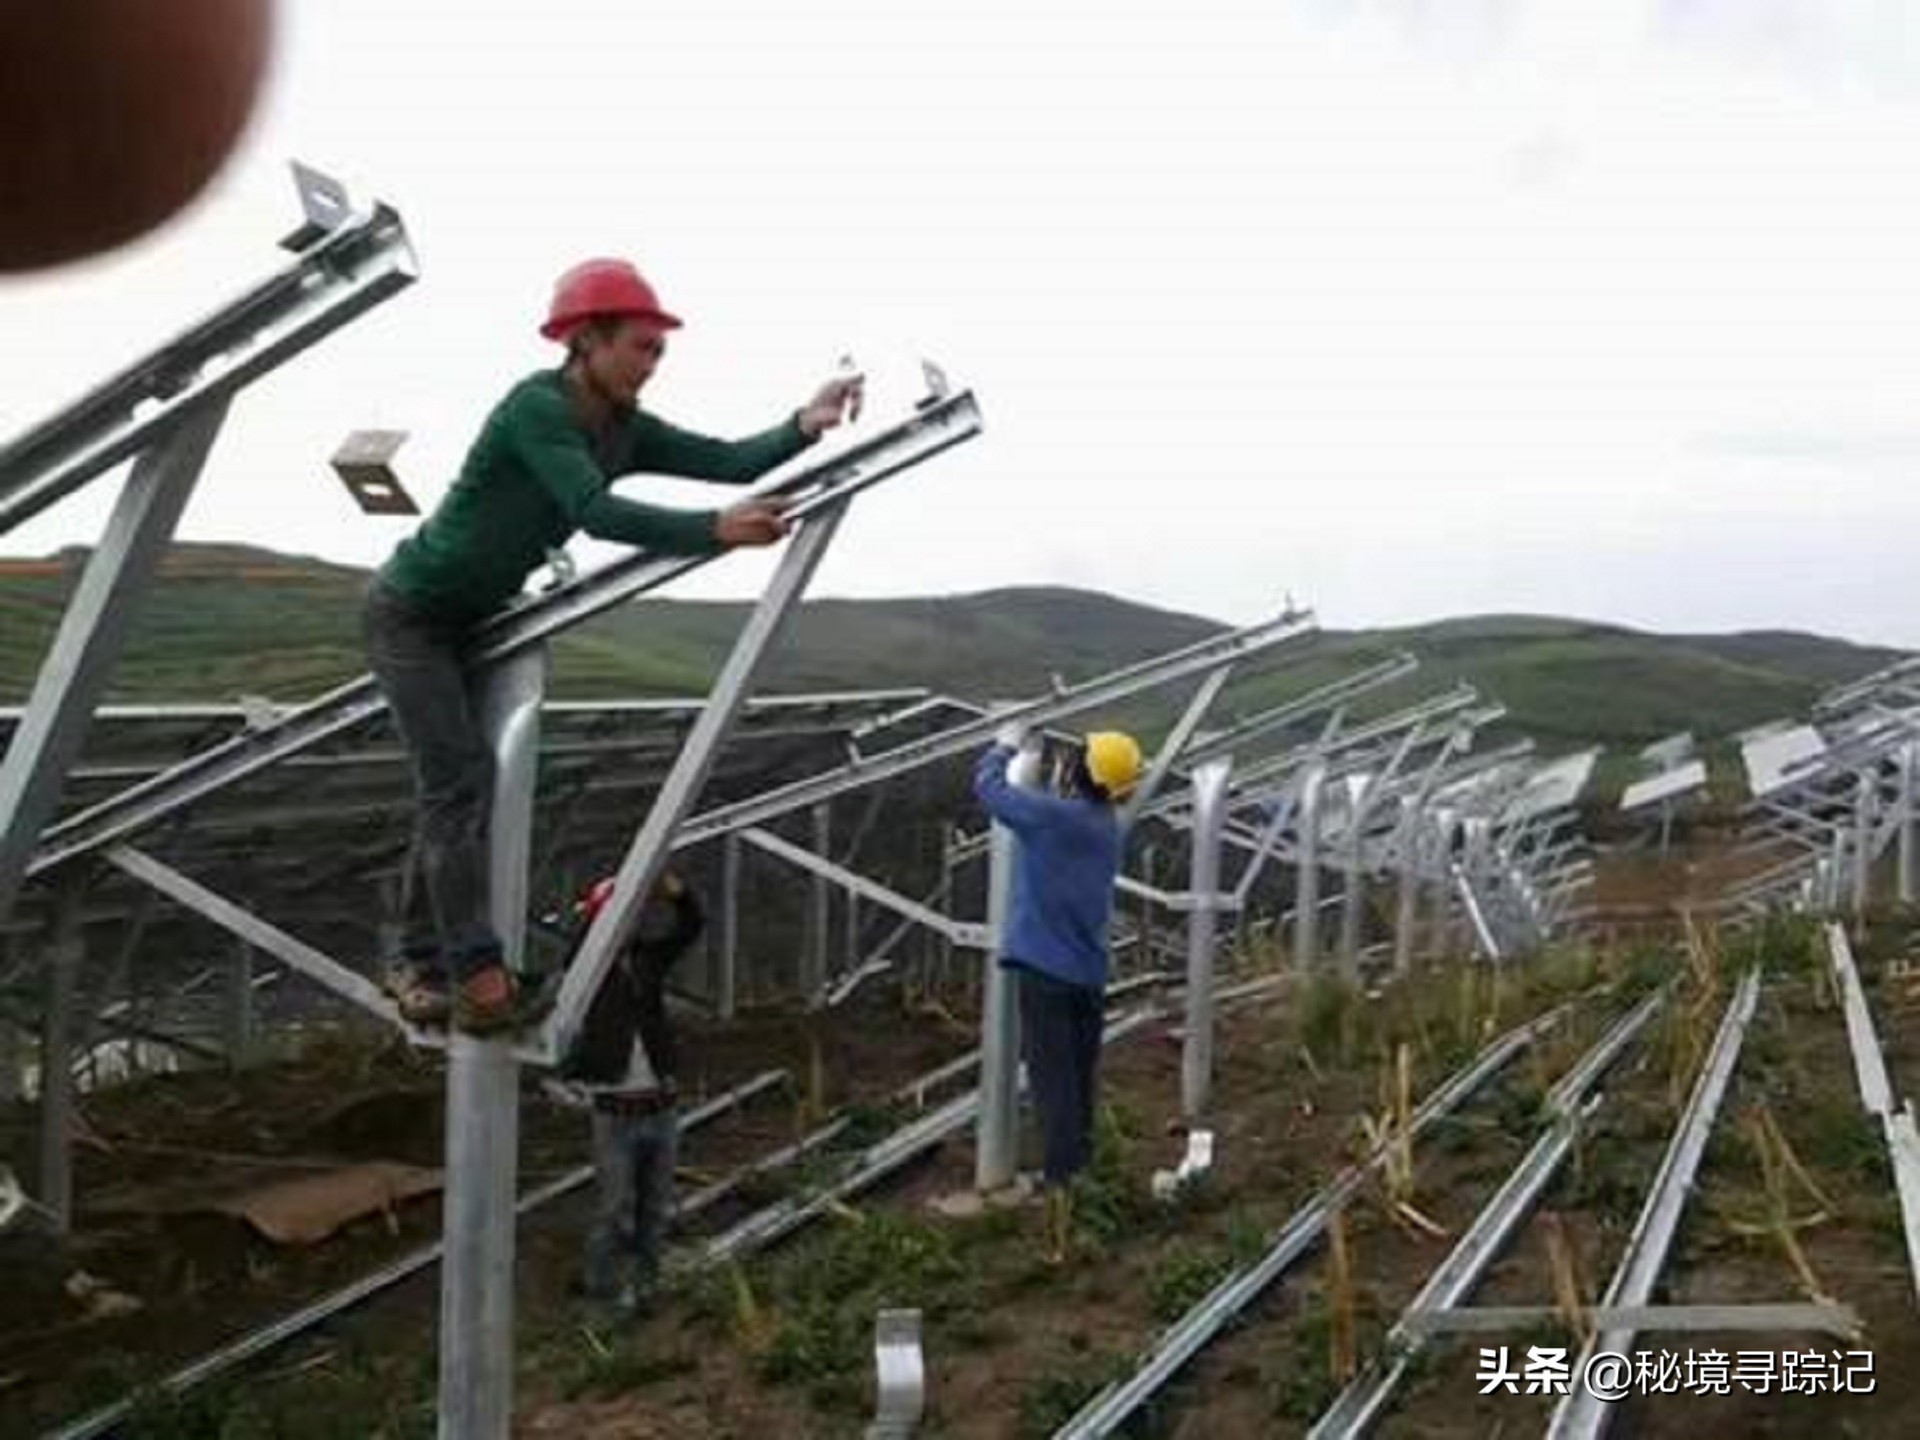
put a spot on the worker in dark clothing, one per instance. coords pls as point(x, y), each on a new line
point(540, 470)
point(1056, 938)
point(636, 1126)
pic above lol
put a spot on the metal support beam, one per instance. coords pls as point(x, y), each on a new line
point(1210, 783)
point(972, 736)
point(997, 1142)
point(1876, 1095)
point(1361, 1404)
point(1169, 752)
point(1353, 890)
point(1908, 819)
point(825, 486)
point(295, 954)
point(1866, 796)
point(727, 982)
point(237, 1007)
point(65, 953)
point(815, 963)
point(1815, 1318)
point(1306, 902)
point(483, 1092)
point(364, 260)
point(1107, 1411)
point(74, 674)
point(1327, 697)
point(828, 872)
point(1581, 1413)
point(647, 855)
point(1406, 899)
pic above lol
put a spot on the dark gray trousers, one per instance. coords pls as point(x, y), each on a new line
point(633, 1160)
point(416, 660)
point(1060, 1028)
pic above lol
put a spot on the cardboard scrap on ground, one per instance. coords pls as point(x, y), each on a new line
point(305, 1210)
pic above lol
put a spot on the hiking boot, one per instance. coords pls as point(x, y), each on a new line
point(487, 1001)
point(420, 991)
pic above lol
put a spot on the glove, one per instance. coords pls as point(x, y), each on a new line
point(1012, 735)
point(1023, 770)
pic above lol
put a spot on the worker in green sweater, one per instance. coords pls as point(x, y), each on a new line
point(540, 470)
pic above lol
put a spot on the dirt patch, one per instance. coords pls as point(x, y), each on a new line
point(202, 1280)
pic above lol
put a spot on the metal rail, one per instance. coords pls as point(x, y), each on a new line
point(1581, 1413)
point(1357, 1407)
point(926, 434)
point(288, 1327)
point(874, 1164)
point(1876, 1095)
point(1195, 1330)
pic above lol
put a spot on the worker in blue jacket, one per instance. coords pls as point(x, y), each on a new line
point(1055, 937)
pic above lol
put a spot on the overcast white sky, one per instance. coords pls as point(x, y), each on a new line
point(1593, 307)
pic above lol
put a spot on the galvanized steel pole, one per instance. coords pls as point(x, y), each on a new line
point(996, 1149)
point(483, 1094)
point(1306, 904)
point(1210, 784)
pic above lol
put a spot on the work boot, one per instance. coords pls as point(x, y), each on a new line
point(420, 991)
point(487, 1001)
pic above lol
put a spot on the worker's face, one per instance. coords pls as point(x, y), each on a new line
point(624, 359)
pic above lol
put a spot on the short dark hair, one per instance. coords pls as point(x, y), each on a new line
point(1084, 785)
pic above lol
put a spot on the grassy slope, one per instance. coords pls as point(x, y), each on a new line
point(228, 619)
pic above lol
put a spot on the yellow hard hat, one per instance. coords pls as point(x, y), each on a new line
point(1113, 760)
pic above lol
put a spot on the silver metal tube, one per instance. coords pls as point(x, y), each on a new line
point(483, 1094)
point(1353, 891)
point(829, 873)
point(726, 986)
point(237, 1011)
point(927, 434)
point(75, 672)
point(1110, 1409)
point(1908, 820)
point(996, 1147)
point(1581, 1413)
point(971, 736)
point(1306, 903)
point(1176, 741)
point(814, 962)
point(647, 855)
point(1210, 783)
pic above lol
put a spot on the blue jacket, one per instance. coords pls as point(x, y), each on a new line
point(1069, 857)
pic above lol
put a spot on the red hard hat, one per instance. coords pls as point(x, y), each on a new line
point(602, 287)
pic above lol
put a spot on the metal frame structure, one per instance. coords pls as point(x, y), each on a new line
point(1581, 1413)
point(164, 413)
point(1897, 1127)
point(1112, 1407)
point(349, 264)
point(1569, 1102)
point(1830, 799)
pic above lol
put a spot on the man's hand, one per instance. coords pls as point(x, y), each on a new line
point(1012, 735)
point(750, 523)
point(837, 400)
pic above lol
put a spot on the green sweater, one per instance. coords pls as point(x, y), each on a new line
point(537, 474)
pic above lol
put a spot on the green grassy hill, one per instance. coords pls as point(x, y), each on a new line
point(230, 619)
